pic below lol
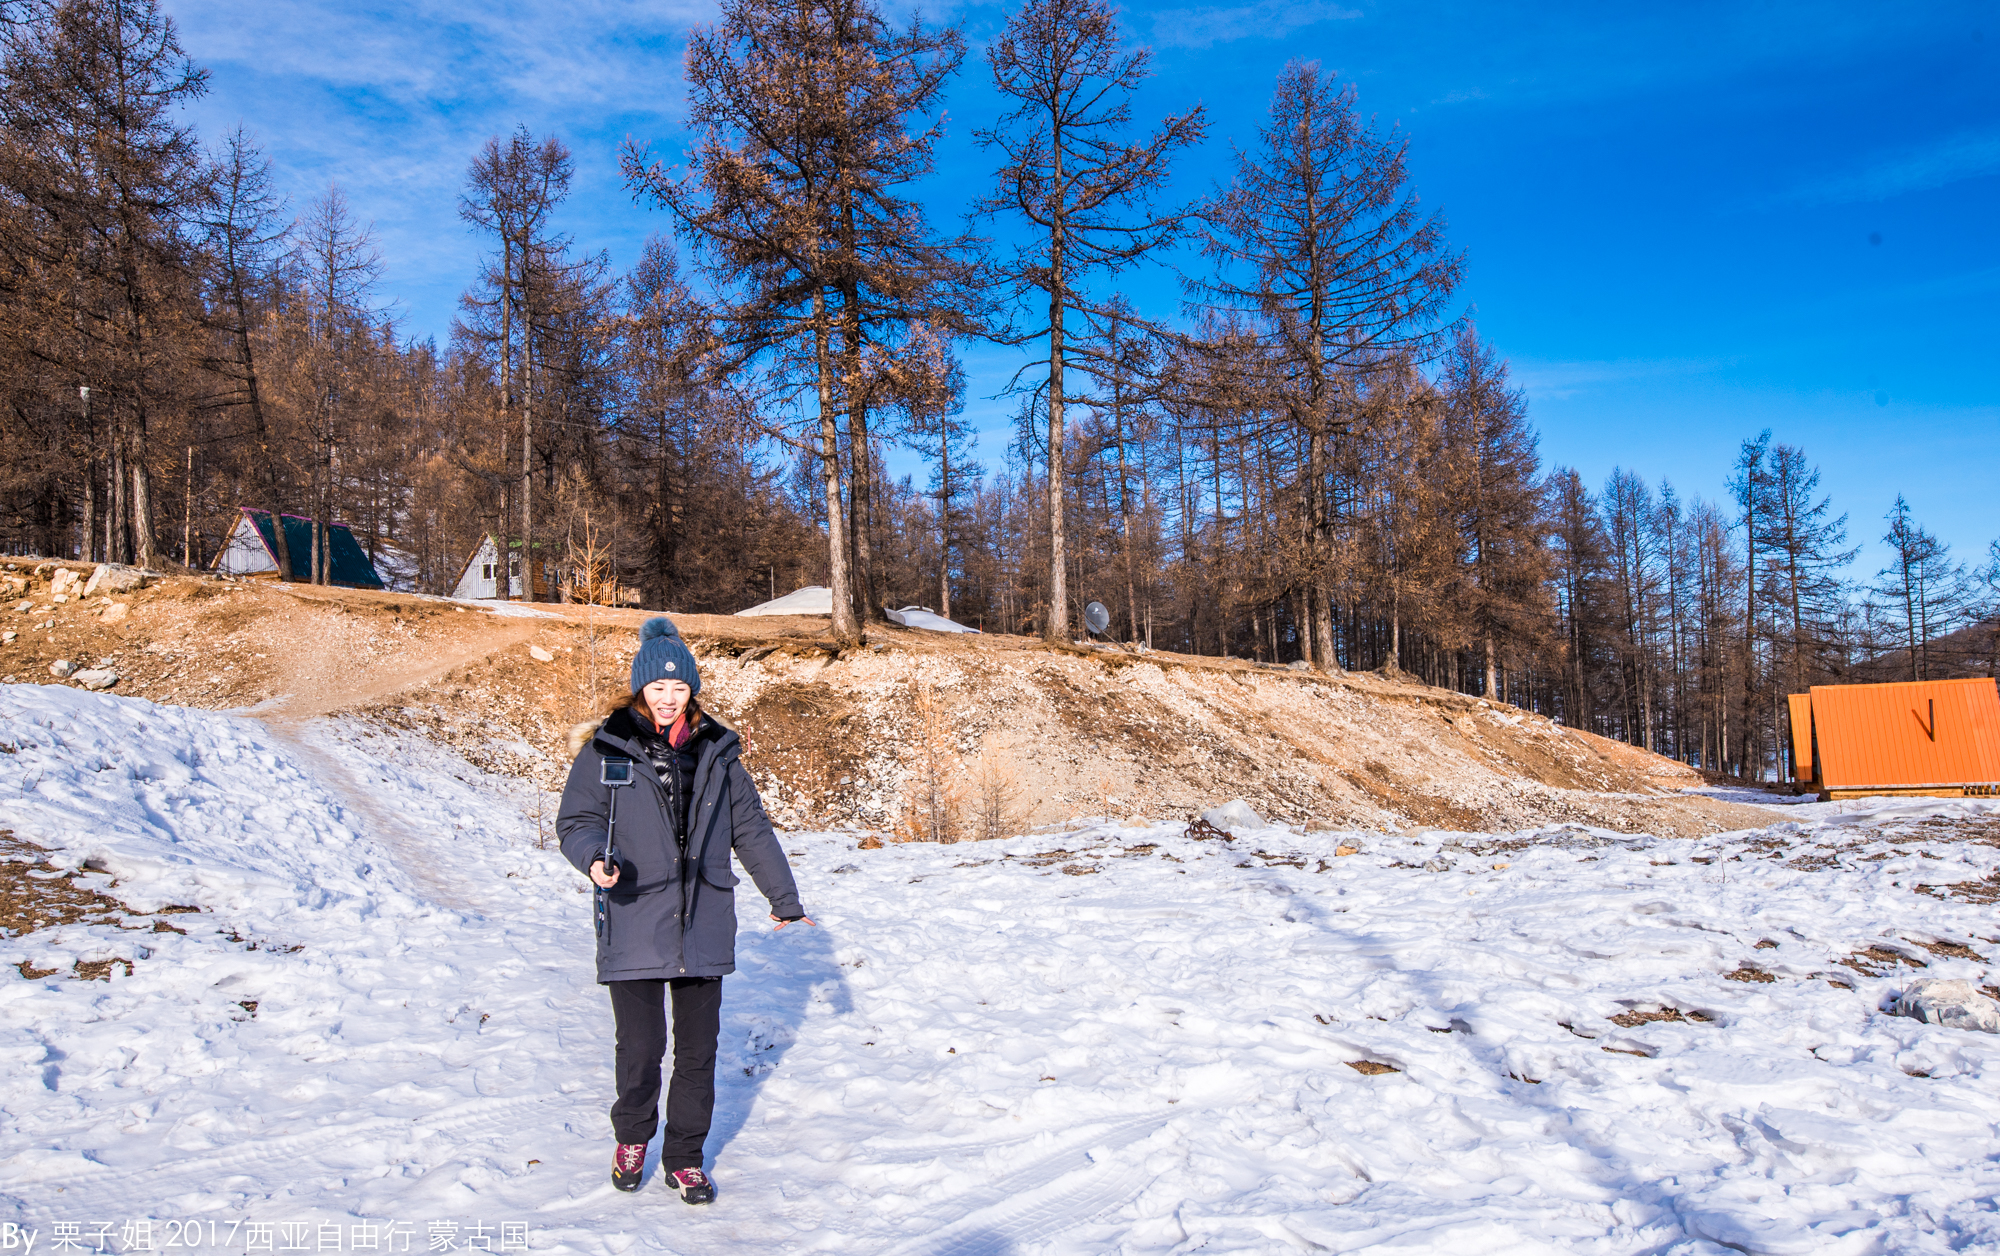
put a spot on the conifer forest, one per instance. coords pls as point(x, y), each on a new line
point(1311, 457)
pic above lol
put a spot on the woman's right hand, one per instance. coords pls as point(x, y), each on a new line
point(603, 879)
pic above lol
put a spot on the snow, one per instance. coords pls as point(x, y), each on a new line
point(814, 599)
point(1109, 1039)
point(928, 620)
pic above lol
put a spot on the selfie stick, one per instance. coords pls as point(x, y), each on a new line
point(611, 781)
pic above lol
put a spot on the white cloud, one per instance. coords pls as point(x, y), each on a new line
point(393, 104)
point(1559, 381)
point(1199, 28)
point(1969, 155)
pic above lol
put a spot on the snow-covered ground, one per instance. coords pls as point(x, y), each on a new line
point(1115, 1039)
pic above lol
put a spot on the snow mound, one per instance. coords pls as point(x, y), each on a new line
point(928, 620)
point(1953, 1004)
point(1234, 817)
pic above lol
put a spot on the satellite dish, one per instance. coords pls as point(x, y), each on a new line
point(1096, 618)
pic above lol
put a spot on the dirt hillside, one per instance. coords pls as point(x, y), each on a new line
point(839, 738)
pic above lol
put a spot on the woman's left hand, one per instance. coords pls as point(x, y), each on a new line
point(802, 920)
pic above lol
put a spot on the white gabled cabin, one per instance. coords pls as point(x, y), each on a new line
point(481, 577)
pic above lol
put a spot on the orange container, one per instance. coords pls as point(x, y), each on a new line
point(1931, 736)
point(1803, 767)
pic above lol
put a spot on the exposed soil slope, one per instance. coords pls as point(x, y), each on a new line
point(1054, 733)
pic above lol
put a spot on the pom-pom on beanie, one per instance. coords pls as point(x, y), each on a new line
point(663, 656)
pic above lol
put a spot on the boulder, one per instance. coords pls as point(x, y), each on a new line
point(95, 678)
point(116, 611)
point(62, 668)
point(1234, 817)
point(1952, 1004)
point(114, 578)
point(62, 581)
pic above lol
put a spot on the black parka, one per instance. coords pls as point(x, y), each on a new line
point(673, 911)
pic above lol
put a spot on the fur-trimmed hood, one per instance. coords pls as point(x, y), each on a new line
point(580, 734)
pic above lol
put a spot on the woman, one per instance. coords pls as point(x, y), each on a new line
point(666, 923)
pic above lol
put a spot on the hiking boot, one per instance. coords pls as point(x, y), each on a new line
point(693, 1185)
point(626, 1163)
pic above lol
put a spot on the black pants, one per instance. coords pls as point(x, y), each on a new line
point(639, 1008)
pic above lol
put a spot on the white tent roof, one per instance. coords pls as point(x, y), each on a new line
point(817, 599)
point(930, 621)
point(814, 599)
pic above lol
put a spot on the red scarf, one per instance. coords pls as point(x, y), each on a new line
point(677, 736)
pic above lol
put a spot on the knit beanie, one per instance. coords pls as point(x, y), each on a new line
point(663, 656)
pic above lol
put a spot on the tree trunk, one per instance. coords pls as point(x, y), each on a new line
point(944, 525)
point(527, 474)
point(868, 601)
point(1056, 627)
point(116, 538)
point(506, 589)
point(846, 629)
point(89, 510)
point(1125, 528)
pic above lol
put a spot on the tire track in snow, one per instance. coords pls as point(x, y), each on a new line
point(273, 1157)
point(1045, 1199)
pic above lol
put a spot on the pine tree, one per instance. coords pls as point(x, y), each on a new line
point(101, 170)
point(245, 228)
point(1803, 545)
point(1319, 238)
point(1085, 195)
point(1922, 583)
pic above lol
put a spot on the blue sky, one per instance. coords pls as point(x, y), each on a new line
point(1684, 224)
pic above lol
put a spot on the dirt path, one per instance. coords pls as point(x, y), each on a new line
point(308, 695)
point(307, 700)
point(412, 850)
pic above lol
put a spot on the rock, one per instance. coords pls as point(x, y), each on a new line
point(116, 611)
point(1435, 864)
point(8, 637)
point(60, 598)
point(95, 678)
point(62, 581)
point(62, 668)
point(845, 868)
point(540, 655)
point(114, 578)
point(1234, 816)
point(1299, 665)
point(24, 606)
point(1952, 1004)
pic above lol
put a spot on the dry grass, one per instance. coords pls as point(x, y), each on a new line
point(1747, 973)
point(34, 896)
point(1668, 1015)
point(934, 798)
